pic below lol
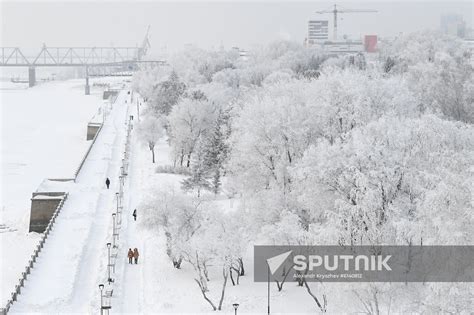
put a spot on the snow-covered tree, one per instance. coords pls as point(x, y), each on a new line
point(216, 151)
point(150, 131)
point(178, 215)
point(167, 94)
point(187, 122)
point(385, 175)
point(199, 178)
point(323, 151)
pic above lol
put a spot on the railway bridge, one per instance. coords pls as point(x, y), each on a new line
point(93, 59)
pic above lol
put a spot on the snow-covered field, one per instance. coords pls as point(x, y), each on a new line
point(43, 135)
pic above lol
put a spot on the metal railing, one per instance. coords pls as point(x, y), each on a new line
point(32, 261)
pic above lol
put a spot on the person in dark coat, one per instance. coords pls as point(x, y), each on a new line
point(135, 214)
point(107, 182)
point(130, 256)
point(135, 255)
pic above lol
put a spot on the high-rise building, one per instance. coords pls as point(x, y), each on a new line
point(453, 24)
point(317, 31)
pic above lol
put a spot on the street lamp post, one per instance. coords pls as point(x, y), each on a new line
point(236, 306)
point(108, 264)
point(268, 309)
point(117, 196)
point(121, 183)
point(113, 230)
point(101, 287)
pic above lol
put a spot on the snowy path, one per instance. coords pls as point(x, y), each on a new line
point(130, 278)
point(68, 270)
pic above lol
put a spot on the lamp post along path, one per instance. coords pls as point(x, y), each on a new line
point(101, 287)
point(117, 197)
point(108, 264)
point(113, 230)
point(236, 306)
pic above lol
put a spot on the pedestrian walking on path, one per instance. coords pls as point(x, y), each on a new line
point(107, 182)
point(135, 255)
point(130, 256)
point(135, 214)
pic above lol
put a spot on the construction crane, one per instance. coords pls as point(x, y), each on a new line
point(335, 11)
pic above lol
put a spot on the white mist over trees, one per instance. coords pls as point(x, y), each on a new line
point(349, 150)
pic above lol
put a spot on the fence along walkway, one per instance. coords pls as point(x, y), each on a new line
point(32, 261)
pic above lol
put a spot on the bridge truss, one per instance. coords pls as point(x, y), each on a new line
point(96, 60)
point(71, 56)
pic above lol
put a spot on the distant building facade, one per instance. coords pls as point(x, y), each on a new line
point(370, 43)
point(318, 31)
point(342, 47)
point(454, 25)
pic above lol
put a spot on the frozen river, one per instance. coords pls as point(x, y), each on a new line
point(43, 135)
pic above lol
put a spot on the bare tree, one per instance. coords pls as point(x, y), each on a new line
point(285, 274)
point(225, 275)
point(322, 306)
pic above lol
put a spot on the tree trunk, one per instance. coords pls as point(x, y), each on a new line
point(225, 274)
point(321, 307)
point(242, 270)
point(285, 274)
point(231, 276)
point(181, 158)
point(206, 272)
point(168, 244)
point(202, 279)
point(376, 303)
point(152, 149)
point(237, 271)
point(205, 296)
point(300, 278)
point(188, 163)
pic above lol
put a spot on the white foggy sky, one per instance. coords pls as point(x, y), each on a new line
point(207, 24)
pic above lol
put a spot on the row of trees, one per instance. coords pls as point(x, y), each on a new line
point(351, 150)
point(200, 235)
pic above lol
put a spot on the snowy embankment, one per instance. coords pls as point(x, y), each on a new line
point(68, 268)
point(43, 135)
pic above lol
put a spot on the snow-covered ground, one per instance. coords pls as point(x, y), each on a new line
point(154, 286)
point(68, 269)
point(43, 135)
point(74, 259)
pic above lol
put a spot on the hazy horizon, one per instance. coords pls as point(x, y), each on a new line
point(206, 24)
